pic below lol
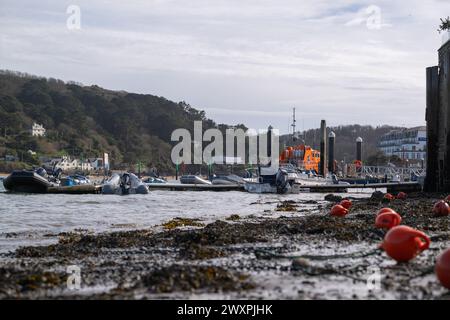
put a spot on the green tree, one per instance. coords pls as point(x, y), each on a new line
point(445, 24)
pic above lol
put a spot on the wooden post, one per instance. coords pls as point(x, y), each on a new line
point(444, 103)
point(432, 118)
point(331, 141)
point(359, 142)
point(269, 142)
point(323, 148)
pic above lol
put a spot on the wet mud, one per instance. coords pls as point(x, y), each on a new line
point(302, 254)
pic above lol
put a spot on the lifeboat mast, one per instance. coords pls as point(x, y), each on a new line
point(293, 124)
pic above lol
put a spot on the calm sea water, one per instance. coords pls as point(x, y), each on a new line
point(32, 219)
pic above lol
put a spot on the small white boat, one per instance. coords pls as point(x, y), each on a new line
point(191, 179)
point(230, 179)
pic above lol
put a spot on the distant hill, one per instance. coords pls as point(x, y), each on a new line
point(346, 139)
point(85, 121)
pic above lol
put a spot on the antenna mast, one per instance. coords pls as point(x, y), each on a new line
point(293, 123)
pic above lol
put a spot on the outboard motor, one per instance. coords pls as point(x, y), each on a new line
point(42, 172)
point(335, 179)
point(57, 173)
point(282, 181)
point(125, 183)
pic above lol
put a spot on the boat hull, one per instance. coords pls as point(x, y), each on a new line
point(193, 180)
point(26, 182)
point(255, 187)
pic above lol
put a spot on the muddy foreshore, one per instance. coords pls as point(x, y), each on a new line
point(300, 255)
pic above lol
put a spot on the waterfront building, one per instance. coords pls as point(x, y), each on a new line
point(405, 143)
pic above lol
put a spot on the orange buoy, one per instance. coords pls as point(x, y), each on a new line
point(402, 196)
point(388, 220)
point(338, 211)
point(442, 268)
point(346, 203)
point(441, 209)
point(385, 210)
point(388, 196)
point(403, 243)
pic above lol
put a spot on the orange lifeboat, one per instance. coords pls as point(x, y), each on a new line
point(301, 156)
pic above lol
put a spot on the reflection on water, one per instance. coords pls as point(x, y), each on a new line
point(35, 219)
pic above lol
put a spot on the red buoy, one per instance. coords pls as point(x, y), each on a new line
point(448, 198)
point(385, 210)
point(388, 220)
point(441, 209)
point(402, 196)
point(338, 211)
point(442, 268)
point(388, 196)
point(346, 203)
point(403, 243)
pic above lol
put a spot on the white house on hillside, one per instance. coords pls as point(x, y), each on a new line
point(37, 130)
point(66, 163)
point(96, 163)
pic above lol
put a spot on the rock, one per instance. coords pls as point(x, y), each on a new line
point(182, 222)
point(333, 198)
point(233, 217)
point(377, 196)
point(187, 278)
point(199, 252)
point(300, 264)
point(287, 205)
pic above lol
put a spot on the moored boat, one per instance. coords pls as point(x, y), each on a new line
point(28, 181)
point(123, 184)
point(230, 179)
point(273, 181)
point(153, 180)
point(74, 180)
point(192, 179)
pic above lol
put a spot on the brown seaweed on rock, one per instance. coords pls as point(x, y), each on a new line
point(188, 278)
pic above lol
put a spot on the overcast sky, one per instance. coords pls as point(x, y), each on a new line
point(242, 61)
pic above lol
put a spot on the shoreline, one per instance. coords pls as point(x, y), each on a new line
point(312, 256)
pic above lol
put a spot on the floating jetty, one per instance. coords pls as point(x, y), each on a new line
point(391, 187)
point(194, 187)
point(80, 189)
point(331, 188)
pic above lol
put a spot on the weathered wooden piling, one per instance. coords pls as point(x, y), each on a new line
point(444, 100)
point(269, 141)
point(331, 141)
point(323, 148)
point(432, 118)
point(438, 123)
point(359, 142)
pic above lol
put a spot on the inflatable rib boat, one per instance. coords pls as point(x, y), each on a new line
point(27, 181)
point(123, 184)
